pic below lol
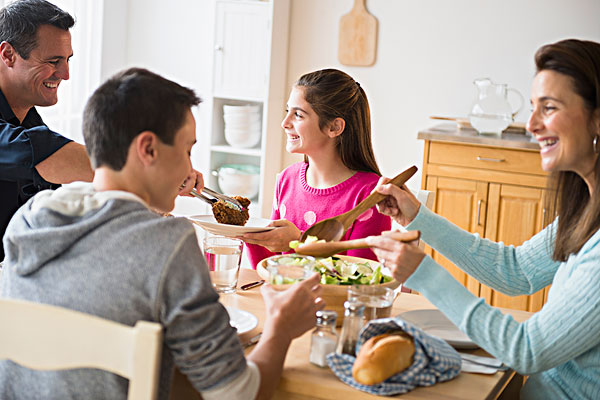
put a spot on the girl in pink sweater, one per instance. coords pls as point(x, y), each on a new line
point(328, 120)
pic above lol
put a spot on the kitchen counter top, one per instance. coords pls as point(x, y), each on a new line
point(448, 132)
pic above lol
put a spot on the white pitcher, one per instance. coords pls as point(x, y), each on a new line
point(491, 112)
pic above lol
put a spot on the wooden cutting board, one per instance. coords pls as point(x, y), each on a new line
point(358, 36)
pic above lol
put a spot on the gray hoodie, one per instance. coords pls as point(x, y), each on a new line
point(107, 254)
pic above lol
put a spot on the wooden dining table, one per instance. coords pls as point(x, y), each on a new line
point(302, 380)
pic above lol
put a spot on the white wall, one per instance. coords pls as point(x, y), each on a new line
point(429, 52)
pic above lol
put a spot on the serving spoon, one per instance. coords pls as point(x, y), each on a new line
point(333, 229)
point(326, 249)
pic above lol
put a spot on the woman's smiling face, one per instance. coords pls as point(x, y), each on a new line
point(563, 126)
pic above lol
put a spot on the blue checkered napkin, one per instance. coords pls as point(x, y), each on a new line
point(434, 360)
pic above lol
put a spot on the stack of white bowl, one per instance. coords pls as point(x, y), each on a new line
point(242, 125)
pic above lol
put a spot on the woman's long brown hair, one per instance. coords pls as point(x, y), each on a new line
point(578, 213)
point(332, 94)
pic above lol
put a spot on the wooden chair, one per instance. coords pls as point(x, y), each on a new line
point(425, 197)
point(45, 337)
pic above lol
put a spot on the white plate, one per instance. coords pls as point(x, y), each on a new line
point(241, 320)
point(209, 224)
point(435, 323)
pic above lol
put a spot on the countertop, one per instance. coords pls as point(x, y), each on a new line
point(448, 132)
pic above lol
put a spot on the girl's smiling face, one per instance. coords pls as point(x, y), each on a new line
point(301, 125)
point(562, 125)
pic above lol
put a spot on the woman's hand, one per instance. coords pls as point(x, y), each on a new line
point(275, 240)
point(400, 257)
point(400, 204)
point(193, 180)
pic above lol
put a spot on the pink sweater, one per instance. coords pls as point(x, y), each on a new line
point(303, 205)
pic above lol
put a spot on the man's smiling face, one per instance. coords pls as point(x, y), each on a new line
point(37, 78)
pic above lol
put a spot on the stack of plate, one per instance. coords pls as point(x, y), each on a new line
point(242, 125)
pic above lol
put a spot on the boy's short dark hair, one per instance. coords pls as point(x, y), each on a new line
point(131, 102)
point(20, 21)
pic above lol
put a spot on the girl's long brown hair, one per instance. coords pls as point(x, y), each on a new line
point(332, 94)
point(578, 213)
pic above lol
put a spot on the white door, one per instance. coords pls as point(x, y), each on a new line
point(241, 50)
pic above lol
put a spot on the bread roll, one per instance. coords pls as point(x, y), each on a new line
point(383, 356)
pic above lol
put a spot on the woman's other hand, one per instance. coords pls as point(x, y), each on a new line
point(400, 203)
point(275, 240)
point(401, 258)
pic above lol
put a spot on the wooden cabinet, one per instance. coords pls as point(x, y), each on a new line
point(490, 186)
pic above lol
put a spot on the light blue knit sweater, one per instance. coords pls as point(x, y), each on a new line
point(559, 346)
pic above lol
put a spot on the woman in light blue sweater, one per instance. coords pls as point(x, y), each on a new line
point(559, 346)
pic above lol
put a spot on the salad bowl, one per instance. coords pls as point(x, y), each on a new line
point(352, 270)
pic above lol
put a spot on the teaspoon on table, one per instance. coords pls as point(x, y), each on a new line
point(326, 249)
point(333, 229)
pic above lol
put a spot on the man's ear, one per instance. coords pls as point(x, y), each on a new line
point(8, 54)
point(336, 127)
point(146, 147)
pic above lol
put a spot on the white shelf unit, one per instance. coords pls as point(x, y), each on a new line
point(249, 67)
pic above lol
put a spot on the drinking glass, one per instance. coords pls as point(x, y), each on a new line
point(377, 300)
point(224, 256)
point(284, 274)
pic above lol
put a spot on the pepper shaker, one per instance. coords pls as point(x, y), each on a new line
point(324, 338)
point(353, 323)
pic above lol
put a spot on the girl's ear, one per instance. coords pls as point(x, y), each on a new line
point(336, 127)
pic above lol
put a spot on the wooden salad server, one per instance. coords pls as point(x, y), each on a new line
point(333, 229)
point(326, 249)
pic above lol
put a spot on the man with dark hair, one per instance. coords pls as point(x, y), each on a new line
point(35, 47)
point(102, 251)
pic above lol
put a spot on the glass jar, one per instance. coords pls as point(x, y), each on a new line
point(324, 338)
point(353, 323)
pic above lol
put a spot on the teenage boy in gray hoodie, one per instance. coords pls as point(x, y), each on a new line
point(100, 249)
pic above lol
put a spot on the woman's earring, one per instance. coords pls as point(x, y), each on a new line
point(595, 143)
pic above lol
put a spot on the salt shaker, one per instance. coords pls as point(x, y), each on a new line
point(353, 323)
point(324, 338)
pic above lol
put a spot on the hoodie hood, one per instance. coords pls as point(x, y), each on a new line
point(53, 220)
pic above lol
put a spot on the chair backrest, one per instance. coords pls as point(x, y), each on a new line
point(425, 197)
point(45, 337)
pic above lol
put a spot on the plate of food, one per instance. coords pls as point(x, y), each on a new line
point(241, 320)
point(435, 323)
point(338, 273)
point(210, 224)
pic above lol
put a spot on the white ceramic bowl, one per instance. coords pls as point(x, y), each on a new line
point(254, 126)
point(243, 138)
point(239, 180)
point(228, 109)
point(241, 119)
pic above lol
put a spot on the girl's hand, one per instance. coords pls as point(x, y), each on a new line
point(400, 203)
point(276, 240)
point(401, 258)
point(193, 180)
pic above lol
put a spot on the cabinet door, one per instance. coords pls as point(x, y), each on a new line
point(464, 203)
point(241, 49)
point(515, 214)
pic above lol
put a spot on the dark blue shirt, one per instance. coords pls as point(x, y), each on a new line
point(23, 145)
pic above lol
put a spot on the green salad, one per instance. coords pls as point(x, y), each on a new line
point(336, 271)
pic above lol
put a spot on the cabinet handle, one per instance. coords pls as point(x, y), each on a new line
point(479, 210)
point(543, 217)
point(218, 47)
point(479, 158)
